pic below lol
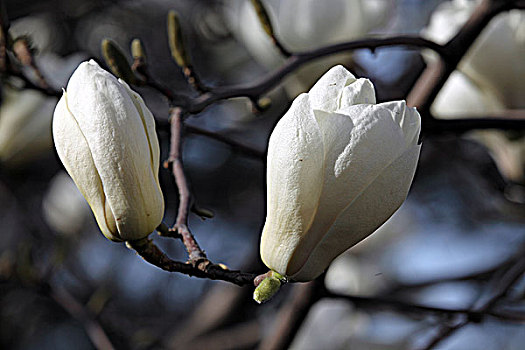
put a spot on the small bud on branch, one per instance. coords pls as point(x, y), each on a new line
point(117, 62)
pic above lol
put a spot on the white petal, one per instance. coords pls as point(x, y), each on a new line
point(74, 152)
point(294, 182)
point(495, 60)
point(360, 91)
point(461, 97)
point(369, 211)
point(148, 122)
point(357, 151)
point(407, 118)
point(447, 19)
point(326, 94)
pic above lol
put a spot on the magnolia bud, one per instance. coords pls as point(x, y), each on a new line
point(338, 167)
point(268, 287)
point(105, 136)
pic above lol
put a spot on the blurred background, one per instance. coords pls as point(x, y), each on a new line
point(64, 286)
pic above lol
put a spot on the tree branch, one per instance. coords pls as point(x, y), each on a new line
point(202, 268)
point(248, 150)
point(195, 253)
point(93, 329)
point(432, 80)
point(433, 126)
point(496, 289)
point(254, 91)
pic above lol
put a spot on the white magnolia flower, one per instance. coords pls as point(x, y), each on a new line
point(339, 166)
point(304, 25)
point(489, 78)
point(495, 61)
point(459, 97)
point(25, 125)
point(105, 136)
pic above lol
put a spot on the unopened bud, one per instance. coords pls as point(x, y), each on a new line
point(268, 287)
point(178, 52)
point(137, 51)
point(263, 16)
point(117, 61)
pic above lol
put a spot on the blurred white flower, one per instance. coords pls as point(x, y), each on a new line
point(495, 61)
point(105, 136)
point(25, 125)
point(304, 25)
point(489, 79)
point(64, 208)
point(338, 167)
point(43, 31)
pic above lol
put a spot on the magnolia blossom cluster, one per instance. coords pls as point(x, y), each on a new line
point(489, 78)
point(105, 137)
point(339, 165)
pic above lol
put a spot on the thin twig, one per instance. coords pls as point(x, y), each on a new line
point(236, 145)
point(93, 329)
point(423, 94)
point(496, 289)
point(195, 253)
point(380, 302)
point(203, 268)
point(434, 126)
point(257, 89)
point(194, 80)
point(23, 52)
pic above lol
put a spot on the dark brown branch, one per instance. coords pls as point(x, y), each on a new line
point(195, 253)
point(248, 150)
point(513, 114)
point(496, 289)
point(202, 268)
point(440, 332)
point(93, 329)
point(380, 302)
point(21, 49)
point(193, 79)
point(433, 126)
point(254, 91)
point(507, 312)
point(430, 83)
